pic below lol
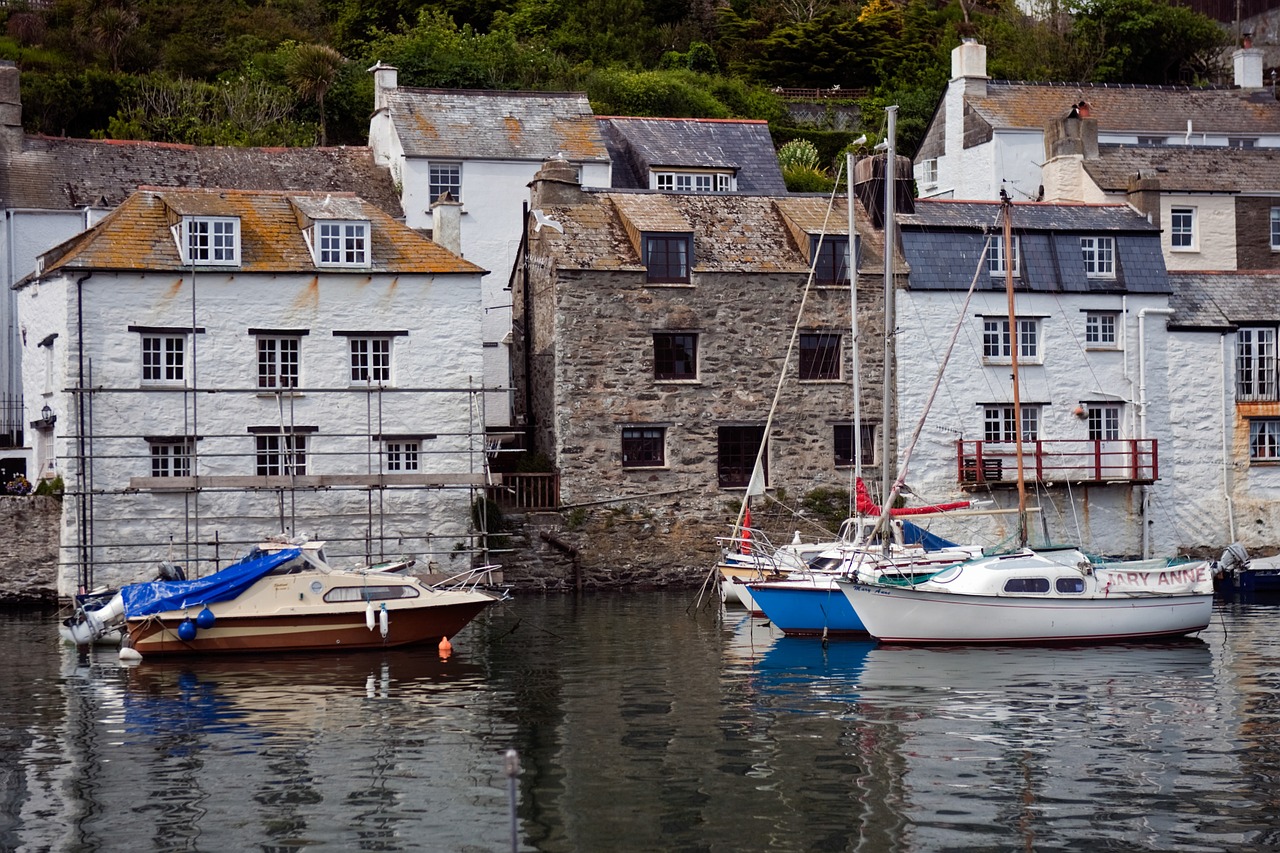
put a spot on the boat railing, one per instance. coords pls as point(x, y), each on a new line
point(476, 577)
point(751, 549)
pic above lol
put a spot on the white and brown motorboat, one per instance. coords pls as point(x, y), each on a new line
point(284, 596)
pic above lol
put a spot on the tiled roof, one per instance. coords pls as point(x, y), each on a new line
point(945, 244)
point(1132, 109)
point(1224, 300)
point(68, 174)
point(136, 235)
point(1195, 168)
point(731, 233)
point(487, 125)
point(641, 145)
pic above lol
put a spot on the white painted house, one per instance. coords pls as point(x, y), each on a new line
point(483, 148)
point(206, 367)
point(1092, 300)
point(987, 135)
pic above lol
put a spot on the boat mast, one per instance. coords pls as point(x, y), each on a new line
point(1014, 343)
point(856, 362)
point(887, 418)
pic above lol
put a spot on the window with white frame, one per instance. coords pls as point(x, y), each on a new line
point(1104, 422)
point(1242, 141)
point(1099, 256)
point(1264, 439)
point(998, 423)
point(997, 257)
point(693, 182)
point(996, 344)
point(1100, 329)
point(164, 359)
point(1275, 229)
point(370, 360)
point(342, 243)
point(211, 240)
point(281, 454)
point(1256, 363)
point(401, 456)
point(444, 178)
point(1152, 140)
point(1182, 229)
point(171, 457)
point(929, 172)
point(278, 361)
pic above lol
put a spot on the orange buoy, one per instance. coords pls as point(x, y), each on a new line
point(446, 648)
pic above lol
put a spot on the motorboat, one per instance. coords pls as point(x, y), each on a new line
point(284, 596)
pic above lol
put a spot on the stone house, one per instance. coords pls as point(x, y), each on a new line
point(54, 188)
point(653, 332)
point(215, 365)
point(1094, 370)
point(988, 135)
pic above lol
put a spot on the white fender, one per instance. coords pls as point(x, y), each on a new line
point(383, 620)
point(368, 616)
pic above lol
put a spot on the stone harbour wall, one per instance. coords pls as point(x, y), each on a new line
point(29, 527)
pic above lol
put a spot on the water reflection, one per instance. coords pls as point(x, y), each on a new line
point(642, 726)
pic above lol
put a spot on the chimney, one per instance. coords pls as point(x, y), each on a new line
point(385, 80)
point(868, 186)
point(1248, 64)
point(446, 223)
point(10, 109)
point(555, 184)
point(1144, 196)
point(1073, 134)
point(969, 63)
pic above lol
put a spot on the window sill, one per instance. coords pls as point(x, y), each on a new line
point(164, 386)
point(1184, 249)
point(657, 381)
point(1007, 362)
point(833, 381)
point(640, 469)
point(268, 394)
point(675, 284)
point(1100, 348)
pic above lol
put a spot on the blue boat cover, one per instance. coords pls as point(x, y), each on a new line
point(915, 535)
point(143, 599)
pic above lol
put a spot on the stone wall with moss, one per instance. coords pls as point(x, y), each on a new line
point(29, 528)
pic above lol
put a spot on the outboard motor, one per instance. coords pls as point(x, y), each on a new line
point(1233, 561)
point(171, 572)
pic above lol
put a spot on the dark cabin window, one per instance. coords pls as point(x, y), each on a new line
point(1036, 585)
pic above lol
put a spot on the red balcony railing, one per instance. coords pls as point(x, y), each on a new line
point(1127, 460)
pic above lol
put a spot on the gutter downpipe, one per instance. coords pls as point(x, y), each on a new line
point(1142, 411)
point(86, 575)
point(1227, 465)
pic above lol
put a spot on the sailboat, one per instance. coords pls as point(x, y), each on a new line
point(1043, 595)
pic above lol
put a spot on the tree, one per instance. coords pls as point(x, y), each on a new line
point(312, 70)
point(1147, 41)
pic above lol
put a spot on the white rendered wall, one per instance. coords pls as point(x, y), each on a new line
point(1215, 232)
point(132, 529)
point(494, 193)
point(1104, 519)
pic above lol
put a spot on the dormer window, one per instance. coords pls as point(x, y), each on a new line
point(668, 257)
point(211, 240)
point(998, 261)
point(831, 259)
point(342, 244)
point(692, 182)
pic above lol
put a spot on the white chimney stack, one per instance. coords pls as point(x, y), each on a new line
point(446, 223)
point(1248, 65)
point(385, 79)
point(969, 63)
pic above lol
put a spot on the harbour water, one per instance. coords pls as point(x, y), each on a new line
point(644, 724)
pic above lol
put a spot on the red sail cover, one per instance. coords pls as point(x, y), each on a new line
point(866, 506)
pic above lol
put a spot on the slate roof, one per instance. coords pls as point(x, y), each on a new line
point(1220, 301)
point(1195, 168)
point(1131, 108)
point(69, 174)
point(486, 125)
point(136, 236)
point(731, 232)
point(944, 242)
point(638, 146)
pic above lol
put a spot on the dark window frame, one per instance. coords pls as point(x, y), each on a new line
point(842, 440)
point(820, 356)
point(644, 447)
point(668, 257)
point(736, 450)
point(830, 255)
point(675, 356)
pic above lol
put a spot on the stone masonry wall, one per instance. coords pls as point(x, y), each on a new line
point(29, 549)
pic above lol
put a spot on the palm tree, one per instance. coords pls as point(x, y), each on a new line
point(312, 69)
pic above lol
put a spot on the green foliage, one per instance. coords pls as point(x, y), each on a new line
point(234, 112)
point(54, 487)
point(1147, 41)
point(798, 154)
point(827, 505)
point(653, 93)
point(487, 516)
